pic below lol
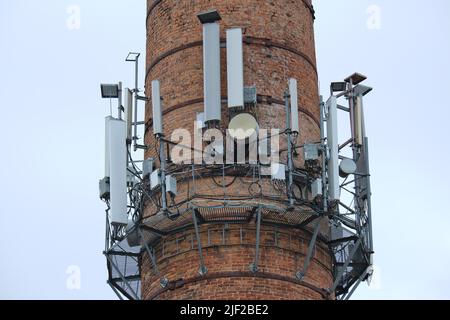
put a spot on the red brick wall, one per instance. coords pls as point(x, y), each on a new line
point(228, 254)
point(279, 44)
point(288, 51)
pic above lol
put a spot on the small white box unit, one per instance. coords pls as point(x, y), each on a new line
point(171, 185)
point(278, 171)
point(155, 179)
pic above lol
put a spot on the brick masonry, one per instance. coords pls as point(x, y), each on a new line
point(279, 44)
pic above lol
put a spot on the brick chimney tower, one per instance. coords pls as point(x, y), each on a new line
point(234, 236)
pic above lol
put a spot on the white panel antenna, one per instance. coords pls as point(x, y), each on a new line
point(211, 71)
point(107, 169)
point(235, 68)
point(157, 111)
point(293, 91)
point(333, 146)
point(118, 172)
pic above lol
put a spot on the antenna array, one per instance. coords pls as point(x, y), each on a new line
point(331, 186)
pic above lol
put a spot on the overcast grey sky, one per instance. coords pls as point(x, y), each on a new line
point(52, 136)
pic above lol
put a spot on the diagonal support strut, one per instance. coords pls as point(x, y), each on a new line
point(301, 274)
point(254, 265)
point(115, 290)
point(203, 270)
point(151, 253)
point(361, 278)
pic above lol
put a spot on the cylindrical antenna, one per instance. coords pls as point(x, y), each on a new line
point(107, 154)
point(157, 111)
point(211, 65)
point(235, 68)
point(358, 126)
point(293, 91)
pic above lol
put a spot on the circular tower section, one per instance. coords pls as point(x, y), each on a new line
point(231, 232)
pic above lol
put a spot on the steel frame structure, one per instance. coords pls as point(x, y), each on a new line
point(350, 242)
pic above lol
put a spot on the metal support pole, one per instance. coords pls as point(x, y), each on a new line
point(162, 160)
point(107, 232)
point(324, 155)
point(344, 267)
point(346, 143)
point(115, 291)
point(194, 189)
point(348, 295)
point(289, 147)
point(369, 194)
point(203, 270)
point(122, 277)
point(150, 253)
point(136, 99)
point(254, 265)
point(351, 106)
point(119, 115)
point(301, 274)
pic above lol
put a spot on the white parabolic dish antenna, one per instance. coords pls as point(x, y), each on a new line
point(243, 126)
point(347, 167)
